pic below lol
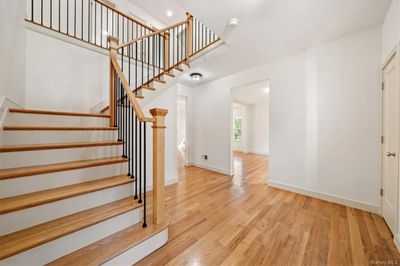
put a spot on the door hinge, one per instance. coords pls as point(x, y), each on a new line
point(381, 191)
point(382, 139)
point(383, 86)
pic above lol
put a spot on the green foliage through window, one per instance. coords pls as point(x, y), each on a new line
point(237, 129)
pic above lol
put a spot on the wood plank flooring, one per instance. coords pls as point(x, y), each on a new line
point(239, 220)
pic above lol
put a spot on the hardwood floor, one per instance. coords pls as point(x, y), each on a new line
point(239, 220)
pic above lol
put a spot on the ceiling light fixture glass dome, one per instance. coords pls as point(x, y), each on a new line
point(196, 76)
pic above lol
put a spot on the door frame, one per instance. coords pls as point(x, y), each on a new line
point(395, 52)
point(186, 159)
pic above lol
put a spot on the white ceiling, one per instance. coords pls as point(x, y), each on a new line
point(270, 29)
point(254, 93)
point(158, 8)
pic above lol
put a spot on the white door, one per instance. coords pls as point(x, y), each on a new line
point(390, 143)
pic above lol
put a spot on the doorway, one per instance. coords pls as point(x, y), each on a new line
point(250, 129)
point(182, 141)
point(390, 142)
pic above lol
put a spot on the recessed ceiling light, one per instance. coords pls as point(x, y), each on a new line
point(196, 76)
point(233, 22)
point(169, 13)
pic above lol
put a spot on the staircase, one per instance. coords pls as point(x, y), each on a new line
point(73, 185)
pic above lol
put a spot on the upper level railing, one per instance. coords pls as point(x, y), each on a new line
point(134, 65)
point(91, 21)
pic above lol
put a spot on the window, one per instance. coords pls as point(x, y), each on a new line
point(237, 129)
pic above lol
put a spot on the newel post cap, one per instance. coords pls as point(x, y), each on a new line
point(158, 112)
point(113, 40)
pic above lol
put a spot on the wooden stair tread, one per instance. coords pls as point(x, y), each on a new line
point(40, 128)
point(147, 88)
point(29, 200)
point(159, 81)
point(48, 112)
point(49, 168)
point(53, 146)
point(178, 68)
point(169, 74)
point(105, 249)
point(34, 236)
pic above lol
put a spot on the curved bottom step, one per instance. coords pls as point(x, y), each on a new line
point(125, 247)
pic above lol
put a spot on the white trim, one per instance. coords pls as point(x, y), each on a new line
point(396, 240)
point(324, 196)
point(65, 38)
point(167, 183)
point(393, 53)
point(5, 104)
point(221, 171)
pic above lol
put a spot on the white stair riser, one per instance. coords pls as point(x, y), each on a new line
point(40, 137)
point(27, 184)
point(23, 119)
point(138, 252)
point(41, 157)
point(14, 221)
point(59, 247)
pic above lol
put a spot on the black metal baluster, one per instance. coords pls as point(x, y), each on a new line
point(51, 14)
point(144, 176)
point(41, 12)
point(136, 146)
point(153, 54)
point(112, 22)
point(89, 20)
point(74, 18)
point(101, 25)
point(160, 41)
point(140, 162)
point(81, 19)
point(136, 67)
point(67, 16)
point(129, 114)
point(148, 60)
point(141, 56)
point(95, 23)
point(32, 10)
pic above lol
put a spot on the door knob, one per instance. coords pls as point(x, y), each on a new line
point(393, 154)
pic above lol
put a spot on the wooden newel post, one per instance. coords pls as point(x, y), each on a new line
point(113, 55)
point(158, 164)
point(166, 50)
point(189, 25)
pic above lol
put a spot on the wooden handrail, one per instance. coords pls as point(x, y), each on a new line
point(125, 84)
point(151, 34)
point(158, 115)
point(125, 15)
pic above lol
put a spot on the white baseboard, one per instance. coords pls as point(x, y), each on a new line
point(328, 197)
point(396, 240)
point(5, 104)
point(167, 183)
point(218, 170)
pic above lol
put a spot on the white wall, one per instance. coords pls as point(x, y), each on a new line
point(12, 50)
point(61, 73)
point(185, 91)
point(391, 29)
point(324, 118)
point(166, 100)
point(63, 76)
point(259, 128)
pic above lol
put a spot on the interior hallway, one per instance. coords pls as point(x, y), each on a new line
point(239, 220)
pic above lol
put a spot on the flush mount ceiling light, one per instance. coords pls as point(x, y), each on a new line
point(233, 22)
point(169, 13)
point(196, 76)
